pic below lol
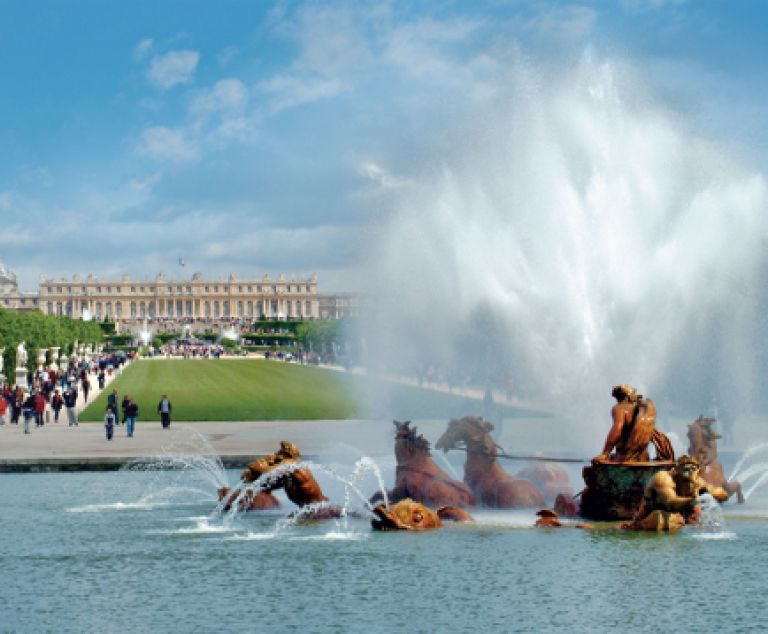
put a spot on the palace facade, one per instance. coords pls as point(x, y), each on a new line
point(162, 298)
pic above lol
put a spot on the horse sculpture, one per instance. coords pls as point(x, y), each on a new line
point(418, 477)
point(493, 486)
point(702, 441)
point(298, 483)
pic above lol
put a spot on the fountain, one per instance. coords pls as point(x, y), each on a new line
point(617, 478)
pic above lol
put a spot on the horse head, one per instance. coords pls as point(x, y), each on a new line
point(408, 443)
point(472, 431)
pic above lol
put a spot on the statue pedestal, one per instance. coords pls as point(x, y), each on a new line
point(21, 378)
point(615, 489)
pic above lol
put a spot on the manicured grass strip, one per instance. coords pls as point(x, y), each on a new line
point(222, 389)
point(231, 390)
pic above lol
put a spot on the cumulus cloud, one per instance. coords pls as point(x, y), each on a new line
point(163, 143)
point(226, 94)
point(380, 176)
point(289, 91)
point(563, 23)
point(172, 69)
point(142, 49)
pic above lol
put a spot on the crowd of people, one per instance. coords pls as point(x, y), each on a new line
point(194, 349)
point(51, 390)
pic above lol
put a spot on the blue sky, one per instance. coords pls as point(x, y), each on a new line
point(268, 137)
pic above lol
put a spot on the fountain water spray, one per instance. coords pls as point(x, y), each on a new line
point(572, 234)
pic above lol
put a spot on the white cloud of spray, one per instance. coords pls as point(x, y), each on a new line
point(573, 234)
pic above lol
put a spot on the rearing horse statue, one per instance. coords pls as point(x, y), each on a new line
point(493, 486)
point(418, 477)
point(703, 446)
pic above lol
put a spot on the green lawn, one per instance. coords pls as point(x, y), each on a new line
point(222, 389)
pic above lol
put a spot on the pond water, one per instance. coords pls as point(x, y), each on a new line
point(140, 551)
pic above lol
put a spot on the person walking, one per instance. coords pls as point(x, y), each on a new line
point(86, 386)
point(3, 408)
point(124, 406)
point(57, 402)
point(164, 408)
point(70, 402)
point(28, 409)
point(112, 401)
point(39, 409)
point(109, 422)
point(131, 414)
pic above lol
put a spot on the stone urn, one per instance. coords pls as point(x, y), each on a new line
point(41, 358)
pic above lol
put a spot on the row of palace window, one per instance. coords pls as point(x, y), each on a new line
point(184, 309)
point(178, 289)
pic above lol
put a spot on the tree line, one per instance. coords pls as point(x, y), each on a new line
point(42, 331)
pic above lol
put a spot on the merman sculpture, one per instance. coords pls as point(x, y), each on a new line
point(491, 484)
point(669, 499)
point(418, 477)
point(702, 444)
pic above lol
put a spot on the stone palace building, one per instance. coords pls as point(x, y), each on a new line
point(196, 299)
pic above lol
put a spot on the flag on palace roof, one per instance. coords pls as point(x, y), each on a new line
point(182, 262)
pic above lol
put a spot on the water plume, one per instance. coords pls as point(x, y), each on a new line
point(570, 234)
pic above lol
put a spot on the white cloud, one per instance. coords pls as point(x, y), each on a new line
point(15, 236)
point(163, 143)
point(147, 182)
point(650, 4)
point(417, 47)
point(227, 55)
point(291, 91)
point(142, 49)
point(379, 175)
point(227, 94)
point(564, 23)
point(171, 69)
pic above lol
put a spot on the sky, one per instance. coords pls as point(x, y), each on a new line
point(275, 137)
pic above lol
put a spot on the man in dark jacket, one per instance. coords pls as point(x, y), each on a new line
point(164, 408)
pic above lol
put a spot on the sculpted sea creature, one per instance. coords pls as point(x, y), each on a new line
point(408, 515)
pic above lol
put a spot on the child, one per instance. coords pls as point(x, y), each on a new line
point(109, 422)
